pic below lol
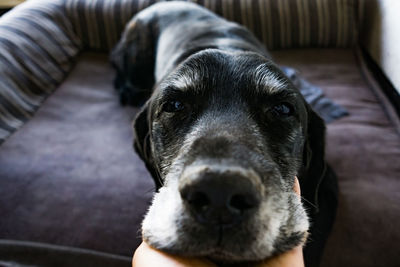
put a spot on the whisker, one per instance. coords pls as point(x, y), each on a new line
point(151, 190)
point(313, 205)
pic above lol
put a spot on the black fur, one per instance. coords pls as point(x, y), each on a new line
point(162, 45)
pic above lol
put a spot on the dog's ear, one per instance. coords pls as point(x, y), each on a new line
point(117, 55)
point(142, 141)
point(118, 62)
point(134, 58)
point(314, 165)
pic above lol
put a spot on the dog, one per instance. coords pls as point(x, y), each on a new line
point(223, 132)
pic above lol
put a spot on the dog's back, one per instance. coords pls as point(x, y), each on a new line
point(161, 44)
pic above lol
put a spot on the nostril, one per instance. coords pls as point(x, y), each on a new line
point(197, 199)
point(242, 202)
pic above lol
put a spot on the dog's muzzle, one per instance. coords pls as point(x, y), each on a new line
point(218, 195)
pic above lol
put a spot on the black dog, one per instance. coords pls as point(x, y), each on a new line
point(223, 132)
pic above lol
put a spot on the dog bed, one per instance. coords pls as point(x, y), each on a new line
point(69, 176)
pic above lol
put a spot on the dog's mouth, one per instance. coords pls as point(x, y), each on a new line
point(222, 245)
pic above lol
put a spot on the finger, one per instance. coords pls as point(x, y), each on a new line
point(296, 186)
point(146, 256)
point(292, 258)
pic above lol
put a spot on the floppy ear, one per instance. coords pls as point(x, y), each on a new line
point(117, 61)
point(117, 55)
point(142, 143)
point(133, 58)
point(314, 165)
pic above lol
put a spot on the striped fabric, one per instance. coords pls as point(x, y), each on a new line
point(37, 48)
point(278, 23)
point(40, 39)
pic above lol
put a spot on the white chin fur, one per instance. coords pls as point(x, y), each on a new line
point(298, 221)
point(159, 227)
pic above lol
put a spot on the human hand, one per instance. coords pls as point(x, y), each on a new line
point(146, 256)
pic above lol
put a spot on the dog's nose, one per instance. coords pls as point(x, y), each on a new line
point(220, 199)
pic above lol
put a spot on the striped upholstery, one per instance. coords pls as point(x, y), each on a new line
point(278, 23)
point(37, 47)
point(40, 39)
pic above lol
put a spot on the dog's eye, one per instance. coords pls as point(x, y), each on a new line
point(283, 110)
point(173, 106)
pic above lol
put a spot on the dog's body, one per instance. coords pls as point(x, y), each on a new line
point(223, 133)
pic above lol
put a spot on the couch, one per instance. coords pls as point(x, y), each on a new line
point(72, 190)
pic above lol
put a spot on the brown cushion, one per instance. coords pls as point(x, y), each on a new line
point(364, 150)
point(70, 176)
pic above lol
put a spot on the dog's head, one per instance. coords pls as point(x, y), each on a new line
point(224, 135)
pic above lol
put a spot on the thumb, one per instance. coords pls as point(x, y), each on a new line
point(296, 186)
